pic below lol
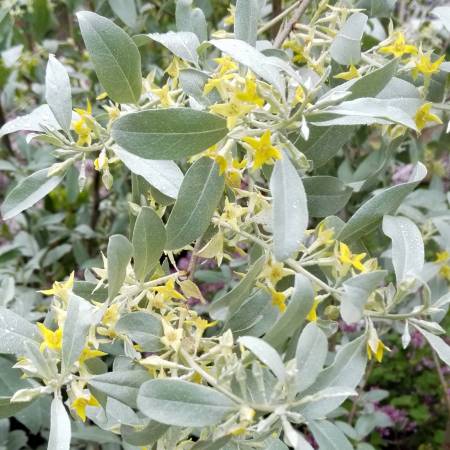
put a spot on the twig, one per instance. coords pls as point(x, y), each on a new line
point(277, 8)
point(286, 29)
point(360, 391)
point(6, 139)
point(194, 259)
point(277, 19)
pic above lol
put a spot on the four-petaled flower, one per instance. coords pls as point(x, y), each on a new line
point(264, 151)
point(423, 116)
point(349, 75)
point(52, 339)
point(61, 289)
point(399, 47)
point(349, 259)
point(83, 126)
point(168, 291)
point(80, 404)
point(425, 66)
point(376, 350)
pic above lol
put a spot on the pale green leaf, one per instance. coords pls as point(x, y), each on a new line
point(246, 20)
point(125, 10)
point(119, 253)
point(329, 436)
point(60, 427)
point(438, 344)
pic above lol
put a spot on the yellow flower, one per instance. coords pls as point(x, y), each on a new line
point(378, 351)
point(265, 152)
point(83, 126)
point(249, 94)
point(442, 257)
point(297, 50)
point(164, 95)
point(61, 289)
point(423, 116)
point(172, 336)
point(111, 315)
point(278, 299)
point(225, 64)
point(52, 339)
point(232, 212)
point(202, 324)
point(312, 315)
point(274, 271)
point(229, 20)
point(445, 272)
point(168, 291)
point(325, 235)
point(299, 95)
point(101, 96)
point(89, 353)
point(426, 67)
point(80, 404)
point(399, 47)
point(352, 73)
point(232, 110)
point(347, 258)
point(173, 69)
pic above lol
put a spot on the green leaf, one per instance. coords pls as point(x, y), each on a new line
point(200, 193)
point(119, 253)
point(291, 320)
point(199, 24)
point(183, 15)
point(58, 92)
point(165, 176)
point(28, 192)
point(408, 253)
point(312, 350)
point(266, 354)
point(143, 328)
point(438, 344)
point(346, 46)
point(377, 8)
point(149, 239)
point(171, 133)
point(184, 404)
point(76, 328)
point(356, 294)
point(329, 436)
point(212, 445)
point(225, 306)
point(125, 10)
point(60, 428)
point(120, 385)
point(15, 332)
point(183, 44)
point(115, 56)
point(290, 209)
point(443, 13)
point(326, 195)
point(146, 437)
point(246, 20)
point(370, 214)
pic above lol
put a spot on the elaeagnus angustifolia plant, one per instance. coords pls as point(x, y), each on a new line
point(287, 211)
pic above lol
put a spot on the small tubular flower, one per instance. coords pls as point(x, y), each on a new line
point(264, 151)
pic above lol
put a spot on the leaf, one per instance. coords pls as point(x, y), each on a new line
point(290, 210)
point(76, 328)
point(143, 328)
point(312, 350)
point(58, 92)
point(217, 444)
point(246, 20)
point(165, 176)
point(125, 10)
point(291, 320)
point(115, 56)
point(200, 193)
point(225, 306)
point(377, 8)
point(146, 437)
point(119, 253)
point(346, 46)
point(121, 385)
point(252, 58)
point(266, 354)
point(294, 438)
point(329, 436)
point(15, 332)
point(438, 344)
point(370, 214)
point(27, 192)
point(60, 428)
point(184, 404)
point(171, 133)
point(183, 44)
point(356, 294)
point(149, 239)
point(408, 253)
point(326, 195)
point(193, 81)
point(443, 13)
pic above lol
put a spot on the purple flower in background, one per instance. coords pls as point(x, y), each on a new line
point(402, 174)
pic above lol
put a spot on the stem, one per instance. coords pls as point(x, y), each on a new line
point(278, 18)
point(442, 379)
point(194, 259)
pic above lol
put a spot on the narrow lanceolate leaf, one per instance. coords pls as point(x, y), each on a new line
point(60, 428)
point(266, 354)
point(312, 349)
point(290, 210)
point(370, 214)
point(28, 192)
point(183, 44)
point(438, 344)
point(224, 307)
point(119, 253)
point(116, 58)
point(125, 10)
point(408, 253)
point(149, 239)
point(246, 20)
point(346, 46)
point(171, 133)
point(329, 436)
point(184, 404)
point(165, 176)
point(15, 332)
point(199, 196)
point(292, 319)
point(58, 92)
point(76, 328)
